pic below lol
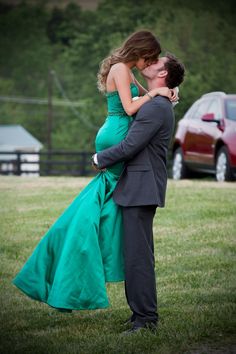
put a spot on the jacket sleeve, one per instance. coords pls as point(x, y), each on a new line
point(146, 124)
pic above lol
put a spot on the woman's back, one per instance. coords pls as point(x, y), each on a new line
point(117, 122)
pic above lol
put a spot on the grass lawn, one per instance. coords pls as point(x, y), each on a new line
point(195, 267)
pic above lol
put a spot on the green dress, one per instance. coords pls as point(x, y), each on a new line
point(83, 249)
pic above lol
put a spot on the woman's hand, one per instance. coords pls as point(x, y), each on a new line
point(161, 91)
point(172, 94)
point(175, 95)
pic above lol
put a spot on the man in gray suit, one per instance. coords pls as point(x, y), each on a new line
point(141, 188)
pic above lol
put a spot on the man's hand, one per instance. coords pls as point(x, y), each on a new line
point(95, 168)
point(94, 161)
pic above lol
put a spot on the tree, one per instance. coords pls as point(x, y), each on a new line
point(72, 42)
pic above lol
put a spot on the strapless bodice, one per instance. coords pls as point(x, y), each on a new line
point(114, 104)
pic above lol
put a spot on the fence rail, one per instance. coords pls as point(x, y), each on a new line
point(48, 163)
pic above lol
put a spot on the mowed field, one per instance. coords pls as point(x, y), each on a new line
point(195, 268)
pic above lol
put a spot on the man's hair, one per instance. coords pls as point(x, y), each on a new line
point(176, 71)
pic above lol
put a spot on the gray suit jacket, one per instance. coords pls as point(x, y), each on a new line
point(144, 178)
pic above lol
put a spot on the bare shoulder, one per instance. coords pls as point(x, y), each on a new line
point(119, 68)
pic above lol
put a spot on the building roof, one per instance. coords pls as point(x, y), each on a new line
point(15, 137)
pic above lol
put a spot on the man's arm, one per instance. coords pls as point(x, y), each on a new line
point(146, 124)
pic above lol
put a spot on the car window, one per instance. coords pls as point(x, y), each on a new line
point(215, 108)
point(202, 109)
point(191, 110)
point(230, 109)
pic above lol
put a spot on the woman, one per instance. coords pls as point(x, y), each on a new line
point(83, 249)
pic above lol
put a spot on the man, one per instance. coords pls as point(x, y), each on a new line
point(141, 188)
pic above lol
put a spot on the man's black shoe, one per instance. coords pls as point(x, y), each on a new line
point(137, 329)
point(132, 330)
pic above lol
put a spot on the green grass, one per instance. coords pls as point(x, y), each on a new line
point(195, 267)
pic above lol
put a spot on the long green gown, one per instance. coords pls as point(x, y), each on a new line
point(83, 249)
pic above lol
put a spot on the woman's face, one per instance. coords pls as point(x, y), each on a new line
point(151, 70)
point(141, 64)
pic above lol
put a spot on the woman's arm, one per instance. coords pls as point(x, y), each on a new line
point(122, 79)
point(142, 90)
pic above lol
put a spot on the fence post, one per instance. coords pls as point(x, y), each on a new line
point(49, 164)
point(83, 171)
point(18, 163)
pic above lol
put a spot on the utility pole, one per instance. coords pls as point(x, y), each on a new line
point(49, 122)
point(50, 111)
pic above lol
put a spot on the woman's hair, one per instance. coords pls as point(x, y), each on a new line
point(141, 44)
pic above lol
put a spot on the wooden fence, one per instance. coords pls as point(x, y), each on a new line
point(49, 163)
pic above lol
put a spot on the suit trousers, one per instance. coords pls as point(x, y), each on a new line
point(140, 280)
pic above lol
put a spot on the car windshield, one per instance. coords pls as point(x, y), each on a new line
point(230, 106)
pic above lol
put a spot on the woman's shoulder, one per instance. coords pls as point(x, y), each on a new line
point(119, 67)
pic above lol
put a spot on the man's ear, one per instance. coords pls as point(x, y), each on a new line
point(163, 73)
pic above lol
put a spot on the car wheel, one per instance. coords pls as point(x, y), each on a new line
point(179, 169)
point(223, 170)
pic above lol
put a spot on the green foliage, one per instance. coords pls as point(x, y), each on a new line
point(73, 42)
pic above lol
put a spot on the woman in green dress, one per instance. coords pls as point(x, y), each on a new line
point(82, 250)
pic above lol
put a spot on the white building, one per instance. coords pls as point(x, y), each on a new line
point(14, 138)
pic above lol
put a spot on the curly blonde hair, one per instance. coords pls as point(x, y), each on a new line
point(140, 44)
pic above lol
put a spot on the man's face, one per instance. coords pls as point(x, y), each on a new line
point(150, 72)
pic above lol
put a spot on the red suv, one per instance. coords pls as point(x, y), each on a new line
point(205, 140)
